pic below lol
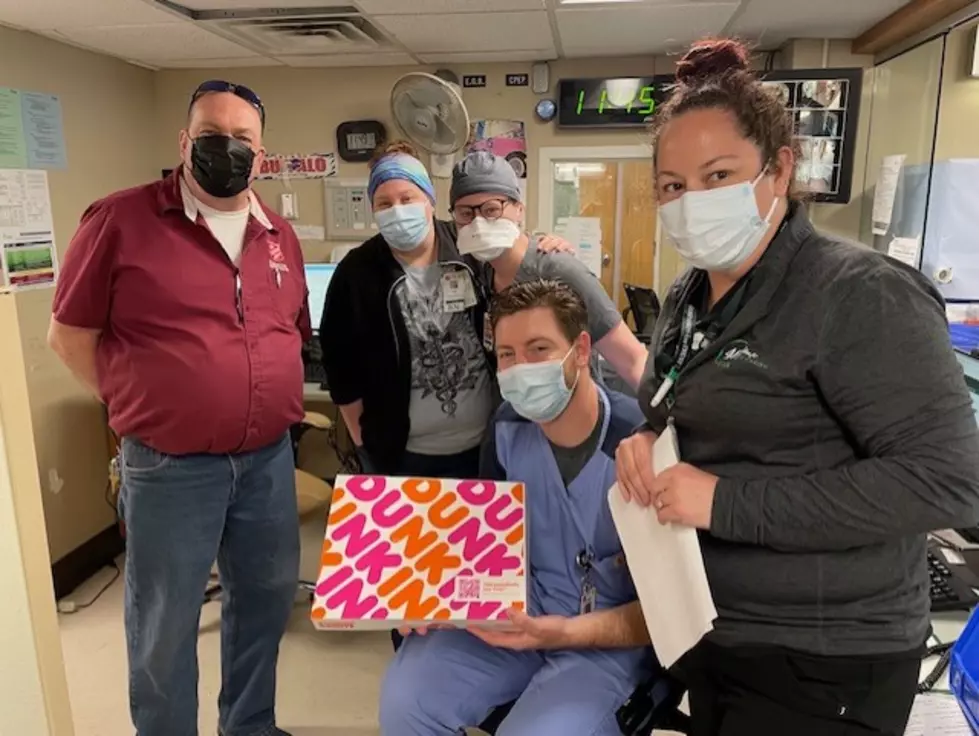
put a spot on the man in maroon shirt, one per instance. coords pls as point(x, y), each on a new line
point(182, 305)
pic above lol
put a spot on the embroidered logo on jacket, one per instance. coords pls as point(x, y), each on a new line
point(738, 352)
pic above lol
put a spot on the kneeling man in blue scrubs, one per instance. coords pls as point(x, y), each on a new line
point(584, 648)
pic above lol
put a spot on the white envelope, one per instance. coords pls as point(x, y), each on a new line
point(666, 566)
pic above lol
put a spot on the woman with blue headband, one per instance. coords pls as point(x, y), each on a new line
point(402, 334)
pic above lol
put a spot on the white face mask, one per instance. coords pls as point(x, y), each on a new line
point(487, 240)
point(717, 229)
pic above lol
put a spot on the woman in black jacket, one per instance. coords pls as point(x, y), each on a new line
point(823, 423)
point(402, 334)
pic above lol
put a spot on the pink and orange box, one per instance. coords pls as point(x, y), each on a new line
point(417, 551)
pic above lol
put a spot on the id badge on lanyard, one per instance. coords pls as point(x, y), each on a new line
point(686, 346)
point(458, 292)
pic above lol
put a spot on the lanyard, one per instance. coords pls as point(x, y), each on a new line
point(686, 346)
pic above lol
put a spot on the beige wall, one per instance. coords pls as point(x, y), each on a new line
point(305, 107)
point(112, 143)
point(960, 99)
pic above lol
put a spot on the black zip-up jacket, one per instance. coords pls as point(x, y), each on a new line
point(837, 418)
point(366, 352)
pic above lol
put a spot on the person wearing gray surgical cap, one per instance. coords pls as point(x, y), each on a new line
point(487, 206)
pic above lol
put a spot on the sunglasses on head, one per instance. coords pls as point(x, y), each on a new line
point(238, 90)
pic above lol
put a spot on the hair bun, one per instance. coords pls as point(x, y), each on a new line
point(710, 58)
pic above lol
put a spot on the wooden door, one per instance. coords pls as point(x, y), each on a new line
point(617, 197)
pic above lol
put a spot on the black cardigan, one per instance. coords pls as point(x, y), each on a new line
point(366, 352)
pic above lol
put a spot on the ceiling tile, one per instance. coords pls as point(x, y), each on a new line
point(443, 7)
point(638, 29)
point(230, 63)
point(154, 43)
point(488, 57)
point(469, 32)
point(40, 15)
point(263, 4)
point(772, 20)
point(335, 60)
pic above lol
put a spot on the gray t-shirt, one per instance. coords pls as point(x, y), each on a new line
point(564, 268)
point(568, 270)
point(451, 392)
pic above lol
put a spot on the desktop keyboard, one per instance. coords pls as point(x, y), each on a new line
point(948, 591)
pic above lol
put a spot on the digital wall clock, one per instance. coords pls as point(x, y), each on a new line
point(616, 102)
point(824, 103)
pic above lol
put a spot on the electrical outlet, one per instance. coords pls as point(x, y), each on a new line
point(289, 206)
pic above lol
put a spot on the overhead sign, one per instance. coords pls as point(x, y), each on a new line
point(474, 80)
point(517, 80)
point(298, 166)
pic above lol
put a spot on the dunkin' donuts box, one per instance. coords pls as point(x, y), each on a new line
point(417, 551)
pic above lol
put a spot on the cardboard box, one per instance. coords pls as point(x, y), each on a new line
point(416, 551)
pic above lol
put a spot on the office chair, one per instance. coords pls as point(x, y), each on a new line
point(644, 308)
point(312, 494)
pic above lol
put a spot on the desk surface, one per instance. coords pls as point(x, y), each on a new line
point(313, 392)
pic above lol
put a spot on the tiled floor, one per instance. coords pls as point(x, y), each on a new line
point(328, 682)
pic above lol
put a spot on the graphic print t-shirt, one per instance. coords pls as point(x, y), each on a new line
point(451, 392)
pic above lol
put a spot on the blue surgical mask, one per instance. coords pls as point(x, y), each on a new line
point(403, 226)
point(717, 229)
point(537, 391)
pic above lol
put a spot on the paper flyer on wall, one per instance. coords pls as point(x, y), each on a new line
point(885, 192)
point(667, 567)
point(585, 236)
point(28, 254)
point(415, 551)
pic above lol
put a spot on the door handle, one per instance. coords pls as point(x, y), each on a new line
point(606, 259)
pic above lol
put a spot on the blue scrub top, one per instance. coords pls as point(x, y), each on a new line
point(563, 523)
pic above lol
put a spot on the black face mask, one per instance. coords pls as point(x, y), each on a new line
point(221, 165)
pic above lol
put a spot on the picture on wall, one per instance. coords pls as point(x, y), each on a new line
point(823, 106)
point(506, 138)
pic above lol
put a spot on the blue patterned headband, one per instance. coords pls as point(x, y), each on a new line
point(400, 166)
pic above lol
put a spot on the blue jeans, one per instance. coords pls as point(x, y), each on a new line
point(182, 513)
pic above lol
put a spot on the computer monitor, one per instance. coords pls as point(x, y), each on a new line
point(318, 277)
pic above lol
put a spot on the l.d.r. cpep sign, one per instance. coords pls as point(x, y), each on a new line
point(415, 550)
point(298, 166)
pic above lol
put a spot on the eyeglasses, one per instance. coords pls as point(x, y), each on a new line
point(491, 209)
point(238, 90)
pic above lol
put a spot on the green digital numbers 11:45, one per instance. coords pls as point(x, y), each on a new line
point(641, 104)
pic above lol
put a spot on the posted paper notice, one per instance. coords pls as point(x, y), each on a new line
point(885, 193)
point(905, 250)
point(667, 567)
point(585, 236)
point(27, 246)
